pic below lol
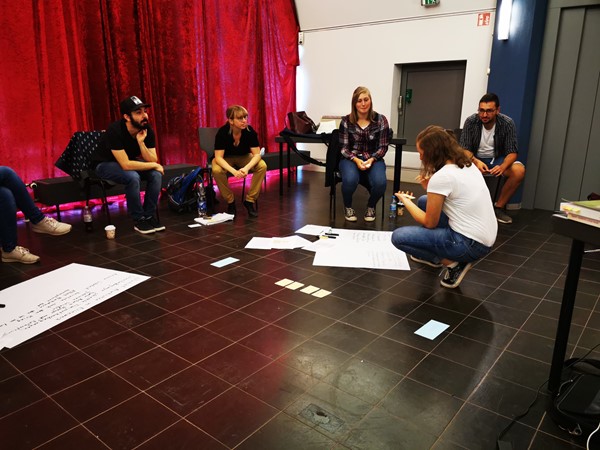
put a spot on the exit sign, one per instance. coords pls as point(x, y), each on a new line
point(430, 2)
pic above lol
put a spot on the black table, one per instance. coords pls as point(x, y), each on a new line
point(580, 233)
point(319, 139)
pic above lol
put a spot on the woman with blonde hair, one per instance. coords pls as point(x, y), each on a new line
point(364, 139)
point(458, 224)
point(237, 152)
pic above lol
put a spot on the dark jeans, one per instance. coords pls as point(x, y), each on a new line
point(14, 196)
point(131, 179)
point(437, 243)
point(373, 178)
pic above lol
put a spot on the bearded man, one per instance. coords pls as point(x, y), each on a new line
point(128, 156)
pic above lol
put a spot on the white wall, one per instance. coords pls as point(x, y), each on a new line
point(348, 43)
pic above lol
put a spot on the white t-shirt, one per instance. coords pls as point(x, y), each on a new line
point(468, 204)
point(486, 145)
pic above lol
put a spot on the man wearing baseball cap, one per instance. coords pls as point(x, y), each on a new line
point(129, 156)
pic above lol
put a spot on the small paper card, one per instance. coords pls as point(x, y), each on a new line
point(432, 329)
point(224, 262)
point(321, 293)
point(295, 285)
point(309, 289)
point(284, 282)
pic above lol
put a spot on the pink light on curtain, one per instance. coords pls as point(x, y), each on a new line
point(190, 59)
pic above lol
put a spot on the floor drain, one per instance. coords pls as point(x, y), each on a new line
point(321, 417)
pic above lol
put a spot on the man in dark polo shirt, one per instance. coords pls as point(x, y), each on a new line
point(127, 156)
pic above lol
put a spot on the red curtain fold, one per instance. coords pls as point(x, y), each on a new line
point(189, 58)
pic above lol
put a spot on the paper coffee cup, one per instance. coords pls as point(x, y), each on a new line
point(110, 231)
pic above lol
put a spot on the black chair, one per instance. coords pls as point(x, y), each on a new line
point(333, 176)
point(77, 161)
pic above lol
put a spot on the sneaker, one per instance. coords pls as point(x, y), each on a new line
point(231, 209)
point(251, 208)
point(501, 216)
point(350, 215)
point(48, 225)
point(453, 276)
point(156, 224)
point(144, 226)
point(20, 254)
point(370, 214)
point(424, 261)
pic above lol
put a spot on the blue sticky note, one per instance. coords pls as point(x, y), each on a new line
point(224, 262)
point(432, 329)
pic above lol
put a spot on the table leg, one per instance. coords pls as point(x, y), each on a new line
point(281, 168)
point(566, 314)
point(397, 167)
point(288, 167)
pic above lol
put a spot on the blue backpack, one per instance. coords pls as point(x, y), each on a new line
point(183, 191)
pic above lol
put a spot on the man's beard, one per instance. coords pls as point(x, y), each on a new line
point(140, 125)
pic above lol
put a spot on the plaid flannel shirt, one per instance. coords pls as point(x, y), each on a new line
point(505, 137)
point(371, 142)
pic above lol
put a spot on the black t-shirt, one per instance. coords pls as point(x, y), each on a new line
point(224, 141)
point(117, 137)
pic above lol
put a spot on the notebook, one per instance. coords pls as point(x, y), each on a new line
point(328, 124)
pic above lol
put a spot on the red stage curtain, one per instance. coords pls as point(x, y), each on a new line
point(189, 58)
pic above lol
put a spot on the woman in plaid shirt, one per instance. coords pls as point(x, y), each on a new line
point(364, 139)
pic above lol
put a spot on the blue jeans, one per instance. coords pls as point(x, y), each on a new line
point(13, 196)
point(132, 180)
point(438, 243)
point(373, 179)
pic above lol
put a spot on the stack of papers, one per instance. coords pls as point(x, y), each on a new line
point(217, 218)
point(583, 211)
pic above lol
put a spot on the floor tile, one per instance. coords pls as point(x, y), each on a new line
point(132, 422)
point(232, 416)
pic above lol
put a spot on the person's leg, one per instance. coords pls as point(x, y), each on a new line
point(420, 242)
point(422, 203)
point(438, 245)
point(131, 180)
point(153, 180)
point(220, 176)
point(350, 180)
point(259, 171)
point(10, 180)
point(514, 177)
point(377, 181)
point(8, 220)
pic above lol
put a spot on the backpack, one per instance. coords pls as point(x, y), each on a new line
point(182, 191)
point(576, 406)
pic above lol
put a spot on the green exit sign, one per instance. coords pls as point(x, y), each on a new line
point(430, 2)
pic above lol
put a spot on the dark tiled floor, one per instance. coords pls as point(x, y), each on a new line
point(205, 358)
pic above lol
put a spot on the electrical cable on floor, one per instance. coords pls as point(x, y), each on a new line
point(505, 445)
point(590, 436)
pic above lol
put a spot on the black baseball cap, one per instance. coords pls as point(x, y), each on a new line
point(131, 104)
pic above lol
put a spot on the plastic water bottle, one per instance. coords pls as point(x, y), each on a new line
point(393, 207)
point(87, 218)
point(202, 211)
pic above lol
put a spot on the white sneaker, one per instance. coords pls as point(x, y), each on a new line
point(350, 215)
point(48, 225)
point(370, 214)
point(19, 254)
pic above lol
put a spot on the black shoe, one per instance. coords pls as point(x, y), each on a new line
point(231, 208)
point(144, 226)
point(454, 275)
point(251, 208)
point(156, 224)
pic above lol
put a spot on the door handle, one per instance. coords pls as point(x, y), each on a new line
point(400, 110)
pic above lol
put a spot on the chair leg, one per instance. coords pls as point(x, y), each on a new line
point(104, 202)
